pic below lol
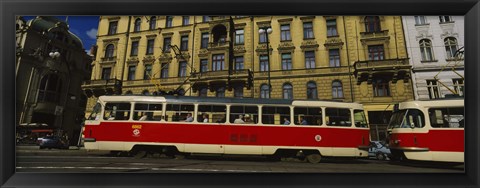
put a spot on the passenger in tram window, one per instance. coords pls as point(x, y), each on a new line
point(287, 122)
point(205, 118)
point(222, 120)
point(143, 118)
point(303, 121)
point(189, 118)
point(248, 120)
point(239, 120)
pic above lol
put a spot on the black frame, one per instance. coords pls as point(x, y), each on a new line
point(8, 9)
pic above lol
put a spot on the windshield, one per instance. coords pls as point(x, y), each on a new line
point(95, 112)
point(359, 117)
point(397, 119)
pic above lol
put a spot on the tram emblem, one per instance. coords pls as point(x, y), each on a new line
point(318, 138)
point(136, 132)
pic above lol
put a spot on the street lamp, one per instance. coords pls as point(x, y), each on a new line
point(267, 31)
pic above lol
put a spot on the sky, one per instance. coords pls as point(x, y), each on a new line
point(85, 27)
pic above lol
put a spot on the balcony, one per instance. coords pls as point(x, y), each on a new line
point(222, 75)
point(222, 45)
point(108, 59)
point(156, 81)
point(374, 36)
point(397, 68)
point(299, 72)
point(102, 87)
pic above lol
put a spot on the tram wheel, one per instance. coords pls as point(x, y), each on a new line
point(140, 154)
point(314, 158)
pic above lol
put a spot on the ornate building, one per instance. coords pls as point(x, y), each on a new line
point(51, 66)
point(345, 58)
point(432, 43)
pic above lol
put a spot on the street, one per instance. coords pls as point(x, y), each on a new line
point(32, 159)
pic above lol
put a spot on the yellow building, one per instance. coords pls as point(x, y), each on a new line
point(346, 58)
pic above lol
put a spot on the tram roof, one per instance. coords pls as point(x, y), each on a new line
point(432, 103)
point(218, 100)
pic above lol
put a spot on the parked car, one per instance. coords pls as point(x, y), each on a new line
point(53, 142)
point(379, 150)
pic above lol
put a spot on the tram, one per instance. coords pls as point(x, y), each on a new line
point(182, 125)
point(428, 130)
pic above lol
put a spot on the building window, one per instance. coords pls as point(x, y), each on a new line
point(110, 50)
point(218, 62)
point(310, 59)
point(312, 90)
point(445, 19)
point(264, 63)
point(372, 24)
point(203, 92)
point(238, 91)
point(164, 72)
point(264, 91)
point(50, 87)
point(203, 65)
point(286, 61)
point(337, 90)
point(184, 43)
point(375, 52)
point(153, 22)
point(150, 46)
point(166, 44)
point(332, 28)
point(420, 20)
point(138, 23)
point(186, 20)
point(262, 37)
point(112, 27)
point(334, 56)
point(182, 69)
point(433, 89)
point(238, 63)
point(134, 51)
point(131, 72)
point(458, 86)
point(147, 73)
point(287, 91)
point(426, 50)
point(205, 38)
point(450, 47)
point(169, 21)
point(239, 38)
point(106, 73)
point(381, 87)
point(285, 33)
point(220, 92)
point(307, 30)
point(206, 18)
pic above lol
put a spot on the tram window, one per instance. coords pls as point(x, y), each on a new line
point(213, 113)
point(359, 117)
point(447, 117)
point(95, 115)
point(147, 112)
point(338, 117)
point(414, 118)
point(249, 114)
point(310, 115)
point(275, 115)
point(178, 112)
point(117, 111)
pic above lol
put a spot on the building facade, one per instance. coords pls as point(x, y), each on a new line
point(51, 66)
point(432, 45)
point(346, 58)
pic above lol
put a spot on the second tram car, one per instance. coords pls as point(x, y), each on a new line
point(428, 130)
point(185, 125)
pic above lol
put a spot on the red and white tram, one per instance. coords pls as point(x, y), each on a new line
point(270, 127)
point(428, 130)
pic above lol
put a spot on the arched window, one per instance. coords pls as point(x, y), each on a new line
point(153, 22)
point(337, 89)
point(145, 92)
point(138, 22)
point(312, 90)
point(264, 91)
point(450, 47)
point(220, 92)
point(287, 91)
point(372, 24)
point(129, 92)
point(426, 50)
point(49, 90)
point(109, 50)
point(203, 92)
